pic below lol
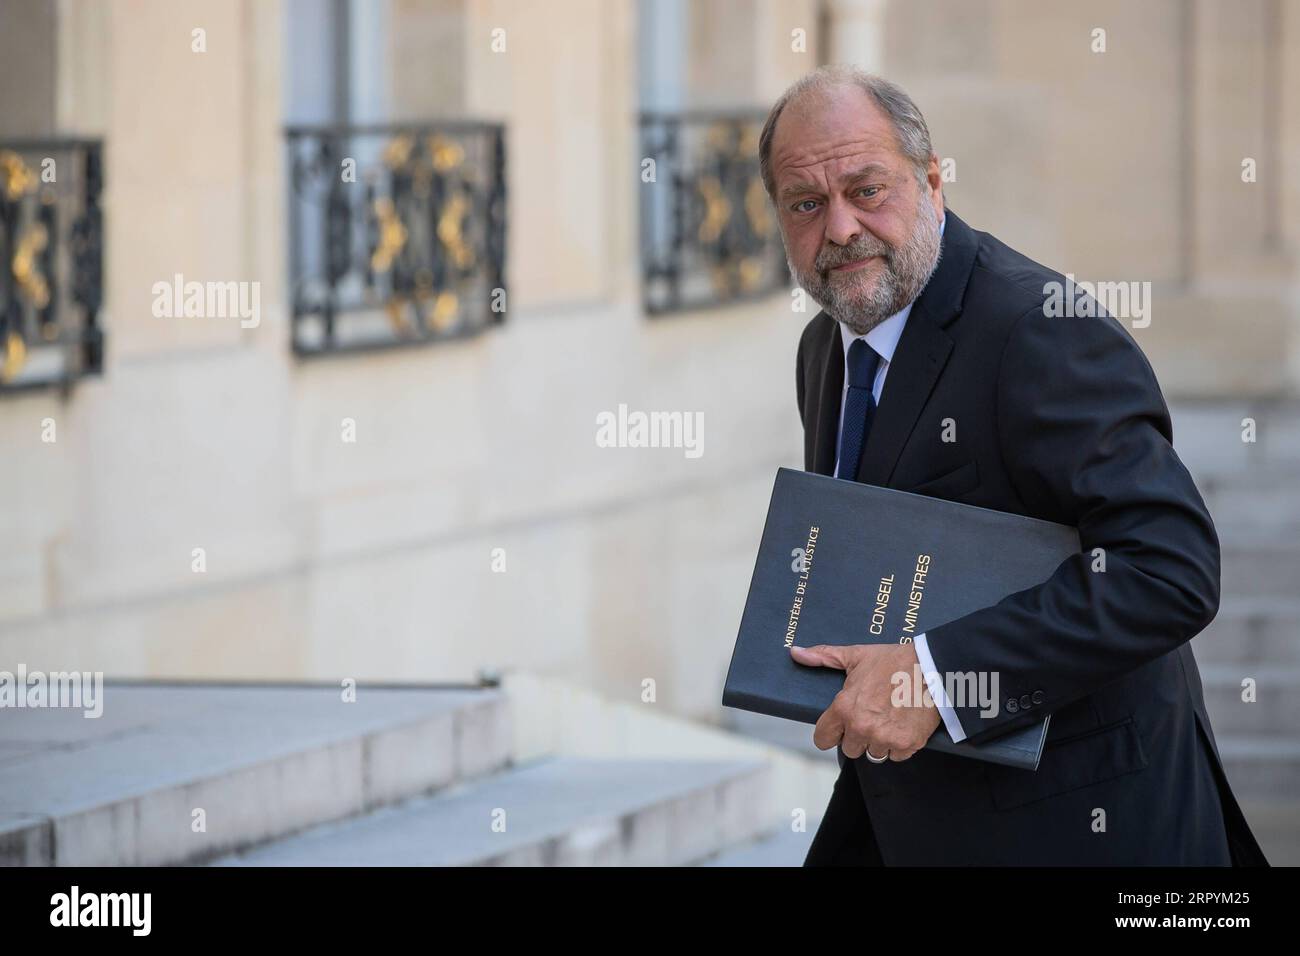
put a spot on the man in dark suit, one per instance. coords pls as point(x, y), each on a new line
point(938, 366)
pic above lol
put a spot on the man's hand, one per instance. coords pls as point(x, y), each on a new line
point(863, 717)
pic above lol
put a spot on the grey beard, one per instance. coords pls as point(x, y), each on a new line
point(907, 269)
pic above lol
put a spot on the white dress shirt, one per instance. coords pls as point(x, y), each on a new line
point(884, 340)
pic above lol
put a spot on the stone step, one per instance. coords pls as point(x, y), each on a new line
point(784, 847)
point(260, 761)
point(1252, 632)
point(559, 812)
point(1275, 709)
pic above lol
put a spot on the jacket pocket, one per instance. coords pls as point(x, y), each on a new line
point(951, 484)
point(1071, 764)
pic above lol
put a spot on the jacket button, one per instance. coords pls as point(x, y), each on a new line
point(1025, 702)
point(1038, 697)
point(1012, 705)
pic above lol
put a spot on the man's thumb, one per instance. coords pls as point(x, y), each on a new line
point(822, 655)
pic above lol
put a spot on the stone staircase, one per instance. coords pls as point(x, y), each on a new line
point(559, 812)
point(1253, 491)
point(293, 775)
point(784, 847)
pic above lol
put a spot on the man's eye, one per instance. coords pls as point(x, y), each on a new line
point(809, 203)
point(870, 191)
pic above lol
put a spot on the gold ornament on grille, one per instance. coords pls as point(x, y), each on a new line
point(445, 154)
point(747, 143)
point(440, 155)
point(398, 318)
point(17, 179)
point(751, 273)
point(392, 235)
point(756, 208)
point(450, 233)
point(398, 151)
point(31, 282)
point(736, 274)
point(15, 357)
point(717, 210)
point(445, 307)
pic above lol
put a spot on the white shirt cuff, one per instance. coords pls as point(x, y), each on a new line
point(934, 681)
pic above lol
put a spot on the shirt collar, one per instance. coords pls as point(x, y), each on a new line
point(883, 339)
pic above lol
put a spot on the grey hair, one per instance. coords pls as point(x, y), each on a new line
point(909, 125)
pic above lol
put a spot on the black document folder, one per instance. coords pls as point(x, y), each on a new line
point(848, 563)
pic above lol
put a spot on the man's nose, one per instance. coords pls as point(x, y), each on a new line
point(842, 225)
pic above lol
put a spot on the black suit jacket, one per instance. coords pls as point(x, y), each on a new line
point(1062, 419)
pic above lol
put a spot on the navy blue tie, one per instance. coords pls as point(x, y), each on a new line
point(859, 407)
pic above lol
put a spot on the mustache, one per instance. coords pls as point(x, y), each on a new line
point(864, 248)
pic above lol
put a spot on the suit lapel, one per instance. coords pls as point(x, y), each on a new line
point(918, 361)
point(828, 402)
point(920, 356)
